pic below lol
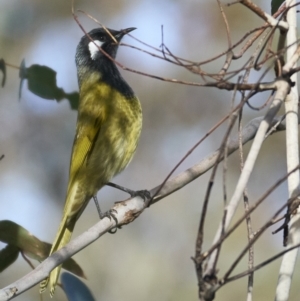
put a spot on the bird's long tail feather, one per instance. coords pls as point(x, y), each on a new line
point(63, 236)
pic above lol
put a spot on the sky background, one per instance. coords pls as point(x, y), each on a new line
point(150, 258)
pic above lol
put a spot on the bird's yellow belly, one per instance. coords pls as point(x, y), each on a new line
point(114, 146)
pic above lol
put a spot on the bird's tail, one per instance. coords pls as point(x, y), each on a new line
point(63, 236)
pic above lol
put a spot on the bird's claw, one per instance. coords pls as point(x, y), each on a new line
point(111, 215)
point(144, 194)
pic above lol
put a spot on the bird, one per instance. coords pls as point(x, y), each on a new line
point(108, 128)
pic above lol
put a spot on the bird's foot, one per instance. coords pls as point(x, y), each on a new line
point(109, 214)
point(144, 194)
point(43, 285)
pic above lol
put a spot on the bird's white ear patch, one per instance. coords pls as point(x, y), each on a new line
point(94, 50)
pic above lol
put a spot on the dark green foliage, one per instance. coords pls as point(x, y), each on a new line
point(3, 69)
point(275, 4)
point(8, 256)
point(18, 239)
point(42, 82)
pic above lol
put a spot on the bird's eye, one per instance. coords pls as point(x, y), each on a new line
point(102, 38)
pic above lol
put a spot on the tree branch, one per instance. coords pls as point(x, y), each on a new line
point(126, 212)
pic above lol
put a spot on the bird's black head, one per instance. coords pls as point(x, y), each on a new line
point(88, 55)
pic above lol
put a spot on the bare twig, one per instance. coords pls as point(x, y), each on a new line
point(258, 234)
point(266, 17)
point(127, 211)
point(292, 154)
point(251, 209)
point(261, 265)
point(282, 91)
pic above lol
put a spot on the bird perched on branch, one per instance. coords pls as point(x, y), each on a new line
point(107, 132)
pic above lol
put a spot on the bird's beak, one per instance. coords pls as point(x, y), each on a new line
point(127, 30)
point(123, 32)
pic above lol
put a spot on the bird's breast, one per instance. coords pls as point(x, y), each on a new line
point(118, 120)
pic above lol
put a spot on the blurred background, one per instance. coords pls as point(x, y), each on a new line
point(149, 259)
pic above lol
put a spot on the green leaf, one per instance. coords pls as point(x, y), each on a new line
point(8, 256)
point(75, 289)
point(22, 75)
point(16, 236)
point(72, 266)
point(42, 82)
point(275, 4)
point(3, 69)
point(73, 100)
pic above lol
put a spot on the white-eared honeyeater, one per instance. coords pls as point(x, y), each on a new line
point(107, 132)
